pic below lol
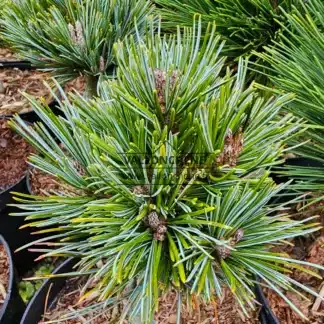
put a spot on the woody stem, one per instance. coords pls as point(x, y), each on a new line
point(91, 86)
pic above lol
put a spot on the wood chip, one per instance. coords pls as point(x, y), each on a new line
point(319, 299)
point(7, 55)
point(14, 82)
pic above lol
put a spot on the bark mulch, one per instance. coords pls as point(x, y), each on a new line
point(310, 249)
point(13, 82)
point(6, 55)
point(4, 275)
point(14, 151)
point(226, 311)
point(44, 184)
point(76, 85)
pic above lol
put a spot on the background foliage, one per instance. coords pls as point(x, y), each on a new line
point(245, 25)
point(72, 37)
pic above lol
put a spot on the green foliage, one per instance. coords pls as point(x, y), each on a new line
point(181, 88)
point(171, 167)
point(297, 65)
point(3, 5)
point(297, 60)
point(72, 37)
point(245, 25)
point(27, 289)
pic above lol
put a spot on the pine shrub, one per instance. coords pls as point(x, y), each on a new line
point(72, 37)
point(171, 171)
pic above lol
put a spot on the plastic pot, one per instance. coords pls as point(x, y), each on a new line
point(28, 182)
point(24, 65)
point(32, 117)
point(6, 197)
point(304, 162)
point(16, 237)
point(48, 291)
point(266, 315)
point(13, 306)
point(10, 226)
point(20, 186)
point(52, 287)
point(299, 162)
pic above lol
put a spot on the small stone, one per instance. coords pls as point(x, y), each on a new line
point(3, 142)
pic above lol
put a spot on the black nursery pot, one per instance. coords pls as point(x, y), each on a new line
point(28, 182)
point(10, 227)
point(32, 117)
point(282, 178)
point(266, 315)
point(48, 291)
point(16, 237)
point(24, 65)
point(20, 186)
point(6, 197)
point(298, 162)
point(304, 162)
point(13, 306)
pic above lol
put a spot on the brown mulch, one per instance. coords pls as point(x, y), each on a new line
point(76, 85)
point(68, 301)
point(311, 249)
point(4, 274)
point(224, 311)
point(44, 184)
point(13, 82)
point(6, 55)
point(14, 151)
point(227, 311)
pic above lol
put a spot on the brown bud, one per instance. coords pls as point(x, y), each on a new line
point(72, 33)
point(102, 64)
point(233, 146)
point(141, 190)
point(162, 79)
point(223, 252)
point(238, 235)
point(79, 34)
point(153, 220)
point(159, 235)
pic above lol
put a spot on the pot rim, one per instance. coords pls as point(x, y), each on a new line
point(67, 263)
point(11, 276)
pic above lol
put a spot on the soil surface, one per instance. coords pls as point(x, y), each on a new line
point(226, 311)
point(67, 302)
point(311, 249)
point(4, 274)
point(76, 85)
point(14, 151)
point(6, 55)
point(13, 82)
point(44, 184)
